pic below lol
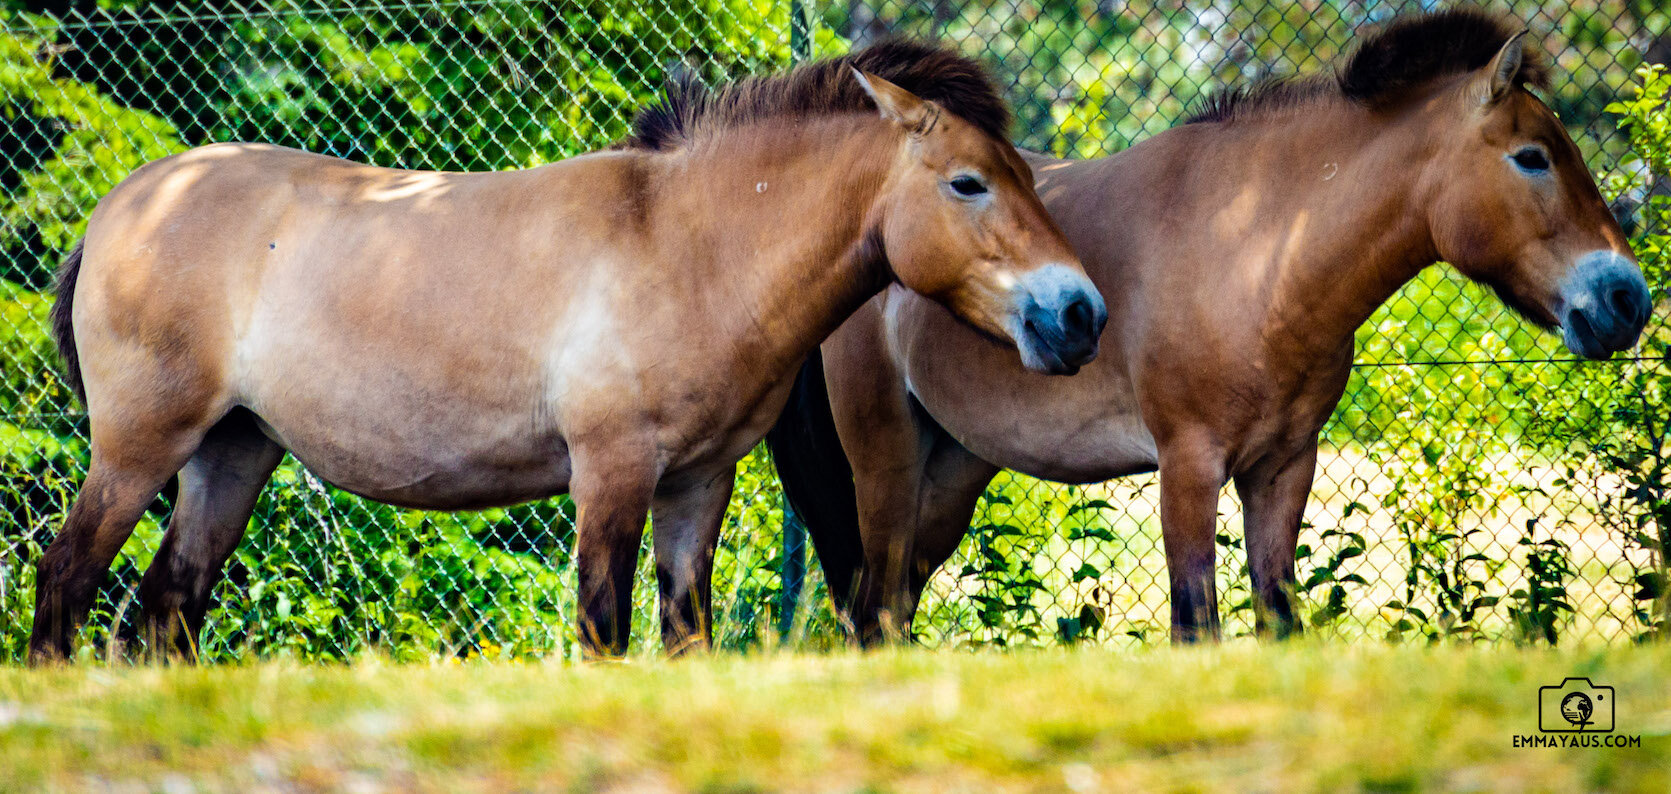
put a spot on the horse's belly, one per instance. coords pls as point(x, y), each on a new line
point(444, 482)
point(426, 463)
point(1083, 428)
point(1064, 451)
point(1062, 429)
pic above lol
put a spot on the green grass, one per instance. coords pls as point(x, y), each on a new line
point(1308, 717)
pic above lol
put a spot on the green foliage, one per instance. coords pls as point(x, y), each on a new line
point(1327, 572)
point(67, 145)
point(1005, 583)
point(1538, 608)
point(29, 384)
point(38, 477)
point(1036, 546)
point(1618, 449)
point(1446, 573)
point(327, 576)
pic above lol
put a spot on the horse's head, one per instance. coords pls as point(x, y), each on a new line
point(1515, 207)
point(963, 226)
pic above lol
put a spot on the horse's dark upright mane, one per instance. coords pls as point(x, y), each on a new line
point(956, 82)
point(1407, 54)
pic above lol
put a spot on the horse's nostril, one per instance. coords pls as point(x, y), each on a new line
point(1076, 318)
point(1622, 304)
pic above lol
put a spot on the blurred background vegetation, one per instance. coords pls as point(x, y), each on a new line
point(1427, 523)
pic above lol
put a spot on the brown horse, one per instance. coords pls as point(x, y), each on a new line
point(1238, 254)
point(623, 326)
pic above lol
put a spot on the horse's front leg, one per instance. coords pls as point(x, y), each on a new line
point(1274, 494)
point(687, 525)
point(611, 492)
point(1191, 476)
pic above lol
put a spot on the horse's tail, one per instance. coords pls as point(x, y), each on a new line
point(818, 480)
point(63, 331)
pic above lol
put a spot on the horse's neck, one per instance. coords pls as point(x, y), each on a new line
point(1347, 226)
point(793, 210)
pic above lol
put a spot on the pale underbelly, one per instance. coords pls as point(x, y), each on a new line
point(1062, 448)
point(469, 488)
point(426, 465)
point(1087, 458)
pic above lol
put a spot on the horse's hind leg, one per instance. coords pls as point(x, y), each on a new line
point(218, 489)
point(687, 528)
point(1273, 496)
point(126, 472)
point(953, 482)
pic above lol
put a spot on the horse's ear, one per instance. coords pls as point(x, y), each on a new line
point(1505, 68)
point(896, 104)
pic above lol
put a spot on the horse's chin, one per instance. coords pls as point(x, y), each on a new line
point(1581, 339)
point(1039, 357)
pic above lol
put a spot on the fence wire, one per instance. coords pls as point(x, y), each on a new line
point(1475, 483)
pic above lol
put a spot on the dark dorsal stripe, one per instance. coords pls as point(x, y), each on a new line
point(957, 83)
point(1401, 58)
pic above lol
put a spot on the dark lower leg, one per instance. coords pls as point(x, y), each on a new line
point(609, 527)
point(1273, 505)
point(218, 490)
point(1189, 487)
point(881, 613)
point(952, 487)
point(889, 489)
point(687, 526)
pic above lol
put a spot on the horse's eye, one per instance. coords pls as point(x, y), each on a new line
point(968, 186)
point(1532, 158)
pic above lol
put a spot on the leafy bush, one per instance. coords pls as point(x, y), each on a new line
point(1619, 450)
point(67, 145)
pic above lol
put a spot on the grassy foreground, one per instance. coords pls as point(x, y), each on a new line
point(1311, 717)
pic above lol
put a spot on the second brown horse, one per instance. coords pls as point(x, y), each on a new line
point(1238, 254)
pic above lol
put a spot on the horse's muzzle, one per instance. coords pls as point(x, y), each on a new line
point(1060, 317)
point(1606, 305)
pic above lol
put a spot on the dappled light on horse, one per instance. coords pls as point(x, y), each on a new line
point(622, 326)
point(1238, 253)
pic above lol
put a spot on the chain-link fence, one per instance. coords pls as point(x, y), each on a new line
point(1475, 482)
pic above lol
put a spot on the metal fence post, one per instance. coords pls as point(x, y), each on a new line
point(793, 569)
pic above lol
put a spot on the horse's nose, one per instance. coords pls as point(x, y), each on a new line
point(1060, 316)
point(1607, 305)
point(1082, 321)
point(1070, 313)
